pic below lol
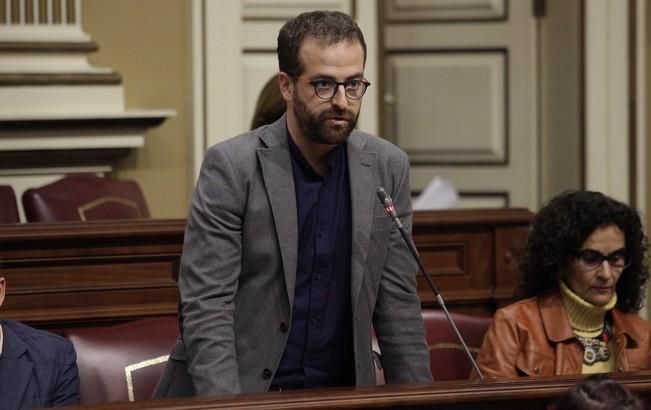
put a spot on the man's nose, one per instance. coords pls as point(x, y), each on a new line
point(340, 99)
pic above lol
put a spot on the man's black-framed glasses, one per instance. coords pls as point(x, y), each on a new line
point(592, 259)
point(326, 88)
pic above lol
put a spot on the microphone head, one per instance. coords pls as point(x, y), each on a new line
point(386, 200)
point(384, 197)
point(381, 193)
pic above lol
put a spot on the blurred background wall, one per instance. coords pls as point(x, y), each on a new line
point(552, 93)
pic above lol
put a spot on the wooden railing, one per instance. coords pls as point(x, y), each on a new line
point(70, 274)
point(522, 393)
point(94, 273)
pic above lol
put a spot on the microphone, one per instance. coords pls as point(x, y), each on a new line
point(390, 209)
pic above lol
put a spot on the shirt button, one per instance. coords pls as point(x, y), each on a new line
point(313, 320)
point(621, 369)
point(283, 327)
point(536, 370)
point(266, 374)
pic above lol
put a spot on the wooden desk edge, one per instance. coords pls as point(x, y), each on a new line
point(450, 394)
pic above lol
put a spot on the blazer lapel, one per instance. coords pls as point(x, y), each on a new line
point(276, 166)
point(15, 369)
point(361, 167)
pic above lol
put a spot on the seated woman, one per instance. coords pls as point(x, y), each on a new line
point(583, 277)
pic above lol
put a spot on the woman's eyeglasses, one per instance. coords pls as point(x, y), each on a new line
point(592, 259)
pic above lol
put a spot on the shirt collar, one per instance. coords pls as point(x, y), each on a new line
point(335, 156)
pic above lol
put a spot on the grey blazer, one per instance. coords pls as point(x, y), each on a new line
point(238, 268)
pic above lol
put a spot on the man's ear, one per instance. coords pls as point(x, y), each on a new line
point(286, 86)
point(2, 290)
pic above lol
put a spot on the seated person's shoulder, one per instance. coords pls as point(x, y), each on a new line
point(521, 311)
point(636, 319)
point(634, 322)
point(377, 143)
point(524, 305)
point(46, 346)
point(386, 151)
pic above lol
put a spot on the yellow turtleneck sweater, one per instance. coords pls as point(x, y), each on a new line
point(587, 320)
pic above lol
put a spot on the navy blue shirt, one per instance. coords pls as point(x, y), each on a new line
point(319, 350)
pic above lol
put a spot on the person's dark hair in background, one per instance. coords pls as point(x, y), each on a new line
point(599, 392)
point(270, 105)
point(318, 25)
point(563, 225)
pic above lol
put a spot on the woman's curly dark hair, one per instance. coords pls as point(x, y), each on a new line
point(558, 231)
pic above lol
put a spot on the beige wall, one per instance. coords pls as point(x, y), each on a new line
point(146, 41)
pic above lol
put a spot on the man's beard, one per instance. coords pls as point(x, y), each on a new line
point(315, 126)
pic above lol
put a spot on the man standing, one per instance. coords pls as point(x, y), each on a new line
point(289, 258)
point(37, 368)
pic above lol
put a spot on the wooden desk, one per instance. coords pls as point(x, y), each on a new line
point(95, 273)
point(90, 273)
point(472, 256)
point(524, 393)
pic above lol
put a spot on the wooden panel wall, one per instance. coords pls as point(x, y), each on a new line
point(471, 255)
point(95, 273)
point(89, 273)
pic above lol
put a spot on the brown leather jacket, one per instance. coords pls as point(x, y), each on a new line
point(533, 337)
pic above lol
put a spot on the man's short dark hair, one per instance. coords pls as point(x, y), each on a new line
point(327, 27)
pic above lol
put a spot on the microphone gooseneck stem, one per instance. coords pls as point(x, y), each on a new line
point(389, 208)
point(440, 300)
point(414, 252)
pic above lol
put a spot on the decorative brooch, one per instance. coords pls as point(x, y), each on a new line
point(595, 349)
